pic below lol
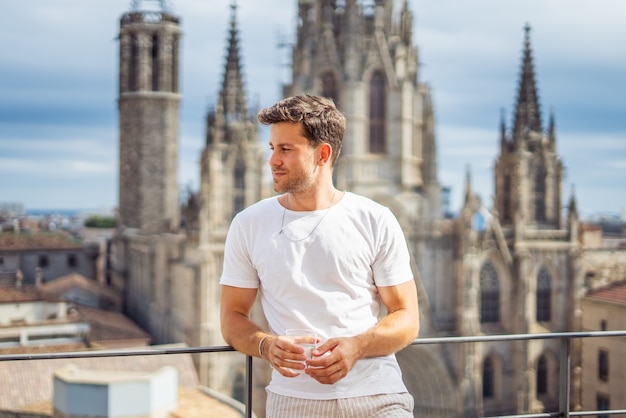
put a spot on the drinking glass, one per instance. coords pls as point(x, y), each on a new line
point(305, 338)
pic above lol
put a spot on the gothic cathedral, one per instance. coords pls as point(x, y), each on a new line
point(514, 268)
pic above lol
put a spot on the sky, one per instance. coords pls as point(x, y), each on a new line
point(58, 90)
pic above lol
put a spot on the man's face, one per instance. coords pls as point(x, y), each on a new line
point(293, 160)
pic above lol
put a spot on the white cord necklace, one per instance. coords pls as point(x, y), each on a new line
point(282, 222)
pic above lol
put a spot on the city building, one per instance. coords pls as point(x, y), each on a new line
point(603, 367)
point(55, 318)
point(40, 257)
point(11, 209)
point(519, 266)
point(32, 316)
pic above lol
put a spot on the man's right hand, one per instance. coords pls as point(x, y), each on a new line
point(284, 356)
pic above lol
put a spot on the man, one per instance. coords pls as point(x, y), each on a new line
point(325, 260)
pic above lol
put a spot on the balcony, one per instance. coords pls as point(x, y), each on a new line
point(564, 357)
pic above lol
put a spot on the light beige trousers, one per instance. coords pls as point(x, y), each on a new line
point(394, 405)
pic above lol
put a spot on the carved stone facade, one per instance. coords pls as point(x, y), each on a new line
point(519, 268)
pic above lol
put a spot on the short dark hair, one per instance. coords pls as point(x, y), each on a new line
point(320, 119)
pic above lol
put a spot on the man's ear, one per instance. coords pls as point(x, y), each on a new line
point(325, 152)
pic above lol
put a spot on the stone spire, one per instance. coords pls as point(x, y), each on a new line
point(529, 171)
point(503, 139)
point(527, 111)
point(552, 131)
point(232, 95)
point(573, 206)
point(406, 23)
point(469, 194)
point(233, 160)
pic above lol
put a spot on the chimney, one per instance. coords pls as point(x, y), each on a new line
point(153, 394)
point(38, 276)
point(19, 278)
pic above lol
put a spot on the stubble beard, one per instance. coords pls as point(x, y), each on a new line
point(295, 182)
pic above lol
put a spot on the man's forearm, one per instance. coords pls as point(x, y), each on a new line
point(394, 332)
point(238, 329)
point(398, 328)
point(242, 334)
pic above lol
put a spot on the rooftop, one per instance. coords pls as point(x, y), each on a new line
point(10, 294)
point(615, 292)
point(67, 287)
point(10, 241)
point(108, 326)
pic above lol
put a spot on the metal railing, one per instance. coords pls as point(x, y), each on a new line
point(565, 339)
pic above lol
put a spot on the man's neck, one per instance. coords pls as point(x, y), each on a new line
point(317, 200)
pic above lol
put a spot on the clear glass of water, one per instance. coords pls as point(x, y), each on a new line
point(305, 338)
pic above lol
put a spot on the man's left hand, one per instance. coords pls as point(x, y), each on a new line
point(333, 360)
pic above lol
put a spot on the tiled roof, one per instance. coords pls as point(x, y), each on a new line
point(613, 292)
point(589, 227)
point(29, 382)
point(11, 294)
point(60, 286)
point(40, 349)
point(105, 326)
point(109, 326)
point(10, 241)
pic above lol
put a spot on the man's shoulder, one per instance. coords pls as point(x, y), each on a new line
point(364, 203)
point(261, 207)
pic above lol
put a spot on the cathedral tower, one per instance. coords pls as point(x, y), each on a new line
point(521, 268)
point(148, 106)
point(363, 57)
point(233, 161)
point(528, 172)
point(232, 165)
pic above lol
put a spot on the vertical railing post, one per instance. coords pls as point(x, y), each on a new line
point(564, 377)
point(248, 386)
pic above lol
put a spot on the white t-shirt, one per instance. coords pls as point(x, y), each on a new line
point(319, 270)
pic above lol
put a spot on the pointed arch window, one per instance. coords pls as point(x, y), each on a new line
point(133, 70)
point(378, 106)
point(540, 194)
point(174, 74)
point(544, 295)
point(489, 294)
point(488, 378)
point(603, 403)
point(506, 202)
point(329, 87)
point(603, 365)
point(239, 189)
point(542, 376)
point(155, 64)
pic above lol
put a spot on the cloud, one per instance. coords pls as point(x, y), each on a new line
point(58, 88)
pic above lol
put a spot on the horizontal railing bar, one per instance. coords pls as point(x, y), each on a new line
point(542, 415)
point(519, 337)
point(419, 341)
point(226, 348)
point(607, 412)
point(117, 353)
